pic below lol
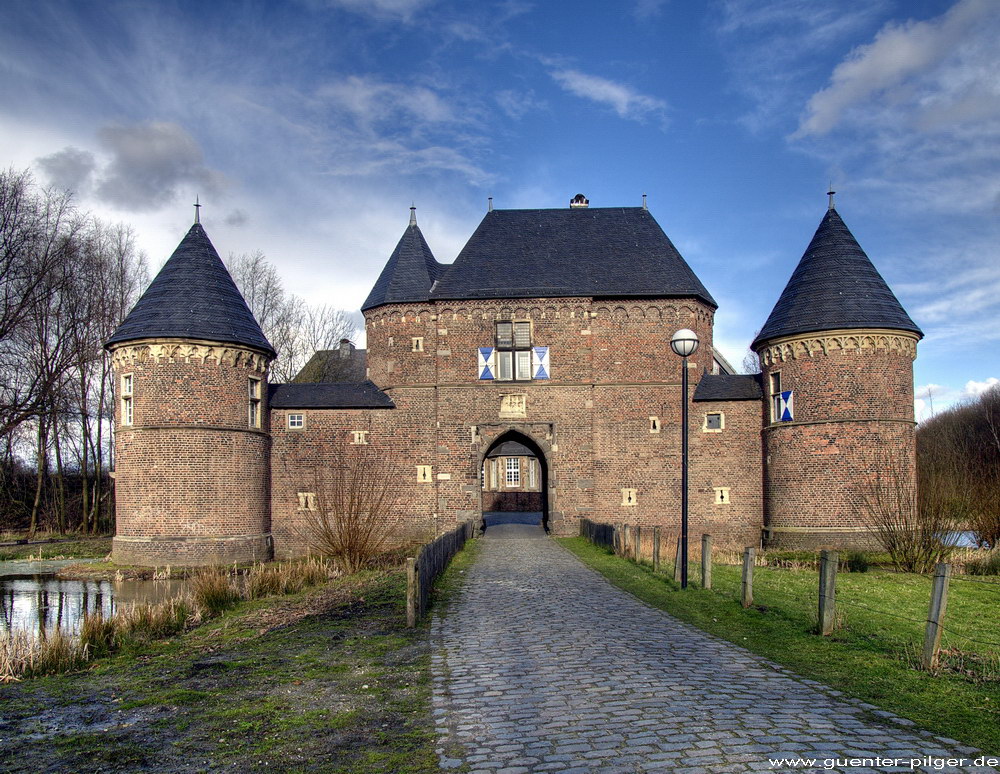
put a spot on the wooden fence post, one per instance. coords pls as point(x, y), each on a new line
point(411, 592)
point(637, 553)
point(677, 562)
point(706, 561)
point(656, 549)
point(748, 559)
point(935, 615)
point(828, 561)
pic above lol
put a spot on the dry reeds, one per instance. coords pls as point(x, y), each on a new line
point(263, 580)
point(22, 655)
point(214, 590)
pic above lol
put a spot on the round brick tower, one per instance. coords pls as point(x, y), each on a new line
point(191, 422)
point(837, 359)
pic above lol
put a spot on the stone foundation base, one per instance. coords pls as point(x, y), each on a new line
point(808, 539)
point(191, 551)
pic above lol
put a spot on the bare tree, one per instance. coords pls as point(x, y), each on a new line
point(295, 329)
point(353, 518)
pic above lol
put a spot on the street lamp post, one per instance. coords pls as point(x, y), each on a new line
point(684, 343)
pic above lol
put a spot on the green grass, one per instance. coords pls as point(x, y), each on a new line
point(871, 656)
point(84, 548)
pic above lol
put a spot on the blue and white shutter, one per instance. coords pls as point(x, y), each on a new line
point(786, 407)
point(487, 363)
point(540, 363)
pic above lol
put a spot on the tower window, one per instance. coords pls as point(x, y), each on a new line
point(654, 424)
point(424, 474)
point(776, 396)
point(721, 495)
point(629, 497)
point(714, 422)
point(127, 406)
point(253, 395)
point(513, 350)
point(417, 344)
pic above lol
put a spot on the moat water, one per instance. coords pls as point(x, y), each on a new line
point(34, 600)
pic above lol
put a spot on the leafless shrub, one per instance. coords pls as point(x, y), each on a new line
point(355, 518)
point(910, 524)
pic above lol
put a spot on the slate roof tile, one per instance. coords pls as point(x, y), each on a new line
point(334, 395)
point(728, 387)
point(835, 285)
point(193, 297)
point(408, 274)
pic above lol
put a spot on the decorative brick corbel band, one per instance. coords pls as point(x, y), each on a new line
point(188, 351)
point(825, 342)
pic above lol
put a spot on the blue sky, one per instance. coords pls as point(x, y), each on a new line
point(308, 128)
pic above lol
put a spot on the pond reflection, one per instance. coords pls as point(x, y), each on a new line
point(38, 602)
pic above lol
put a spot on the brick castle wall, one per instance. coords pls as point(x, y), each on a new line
point(192, 477)
point(853, 400)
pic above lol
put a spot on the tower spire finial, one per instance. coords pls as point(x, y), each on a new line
point(830, 192)
point(413, 214)
point(197, 210)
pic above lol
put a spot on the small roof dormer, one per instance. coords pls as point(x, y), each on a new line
point(835, 286)
point(409, 273)
point(193, 297)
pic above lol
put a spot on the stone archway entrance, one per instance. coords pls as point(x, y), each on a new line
point(514, 475)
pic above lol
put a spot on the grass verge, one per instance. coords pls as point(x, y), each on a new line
point(328, 679)
point(872, 662)
point(83, 548)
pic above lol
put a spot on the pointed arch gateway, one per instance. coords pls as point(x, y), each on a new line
point(514, 472)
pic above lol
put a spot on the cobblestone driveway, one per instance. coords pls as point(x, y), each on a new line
point(542, 665)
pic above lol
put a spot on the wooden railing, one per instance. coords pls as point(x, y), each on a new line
point(430, 561)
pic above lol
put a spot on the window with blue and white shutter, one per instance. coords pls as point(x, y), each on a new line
point(513, 358)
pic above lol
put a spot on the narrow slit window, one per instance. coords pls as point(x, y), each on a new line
point(127, 406)
point(418, 343)
point(776, 396)
point(654, 424)
point(253, 395)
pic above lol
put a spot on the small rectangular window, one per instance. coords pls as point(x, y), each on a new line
point(505, 360)
point(424, 474)
point(253, 395)
point(296, 421)
point(359, 437)
point(307, 501)
point(522, 335)
point(418, 344)
point(714, 423)
point(629, 497)
point(127, 404)
point(513, 472)
point(721, 495)
point(505, 334)
point(775, 396)
point(523, 364)
point(654, 424)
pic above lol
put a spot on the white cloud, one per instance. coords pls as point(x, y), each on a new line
point(886, 67)
point(931, 399)
point(517, 104)
point(623, 99)
point(647, 9)
point(149, 163)
point(371, 100)
point(402, 10)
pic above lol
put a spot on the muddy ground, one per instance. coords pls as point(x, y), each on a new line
point(327, 681)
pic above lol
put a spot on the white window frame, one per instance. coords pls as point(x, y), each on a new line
point(512, 472)
point(774, 384)
point(532, 474)
point(253, 402)
point(296, 421)
point(514, 351)
point(722, 422)
point(128, 406)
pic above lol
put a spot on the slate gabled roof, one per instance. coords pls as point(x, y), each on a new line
point(193, 297)
point(728, 387)
point(593, 251)
point(336, 395)
point(834, 286)
point(408, 274)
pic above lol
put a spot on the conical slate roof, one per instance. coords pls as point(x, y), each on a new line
point(585, 251)
point(834, 286)
point(193, 297)
point(408, 274)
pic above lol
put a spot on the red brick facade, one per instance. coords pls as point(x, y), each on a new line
point(198, 483)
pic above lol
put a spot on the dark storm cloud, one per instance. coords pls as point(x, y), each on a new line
point(149, 162)
point(236, 218)
point(70, 169)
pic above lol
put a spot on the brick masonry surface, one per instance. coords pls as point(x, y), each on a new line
point(542, 665)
